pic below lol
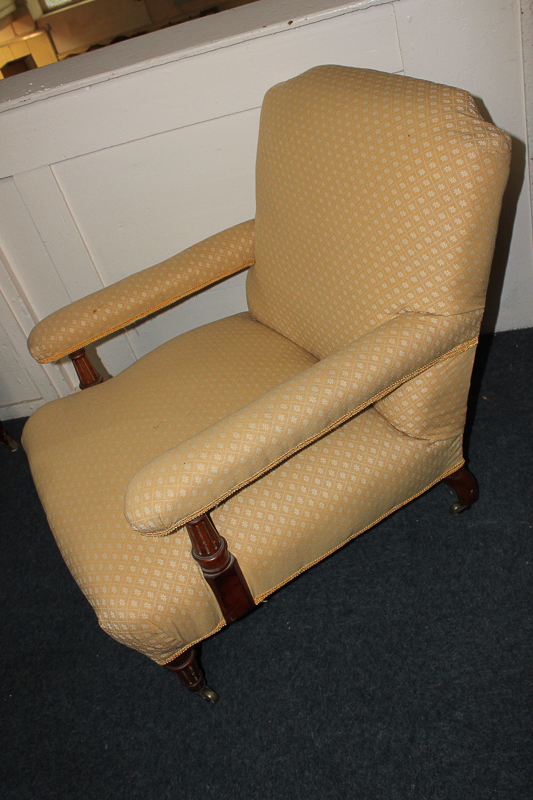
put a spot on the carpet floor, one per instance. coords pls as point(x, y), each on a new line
point(398, 668)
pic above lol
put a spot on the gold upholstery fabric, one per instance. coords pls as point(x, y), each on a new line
point(377, 195)
point(432, 405)
point(327, 494)
point(203, 471)
point(341, 395)
point(83, 450)
point(103, 312)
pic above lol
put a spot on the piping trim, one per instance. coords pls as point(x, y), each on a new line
point(234, 489)
point(151, 310)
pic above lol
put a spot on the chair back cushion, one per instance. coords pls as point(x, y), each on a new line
point(377, 194)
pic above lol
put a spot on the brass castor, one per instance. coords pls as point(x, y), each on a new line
point(457, 508)
point(208, 694)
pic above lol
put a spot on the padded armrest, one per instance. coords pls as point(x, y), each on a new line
point(103, 312)
point(201, 472)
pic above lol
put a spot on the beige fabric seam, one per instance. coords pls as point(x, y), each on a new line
point(152, 310)
point(459, 349)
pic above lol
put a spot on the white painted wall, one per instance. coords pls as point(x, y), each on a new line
point(115, 160)
point(477, 45)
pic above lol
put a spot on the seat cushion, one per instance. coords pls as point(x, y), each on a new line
point(83, 450)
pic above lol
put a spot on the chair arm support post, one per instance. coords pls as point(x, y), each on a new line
point(220, 568)
point(87, 373)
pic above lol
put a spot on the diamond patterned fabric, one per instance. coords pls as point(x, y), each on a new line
point(205, 470)
point(83, 450)
point(142, 293)
point(377, 195)
point(327, 494)
point(341, 395)
point(432, 405)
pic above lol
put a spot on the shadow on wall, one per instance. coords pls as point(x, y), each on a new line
point(497, 275)
point(505, 227)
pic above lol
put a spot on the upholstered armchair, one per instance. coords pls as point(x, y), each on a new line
point(185, 490)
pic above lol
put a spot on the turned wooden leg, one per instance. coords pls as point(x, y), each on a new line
point(220, 568)
point(7, 440)
point(87, 373)
point(465, 486)
point(224, 576)
point(187, 669)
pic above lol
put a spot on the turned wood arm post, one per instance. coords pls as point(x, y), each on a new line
point(220, 568)
point(87, 373)
point(224, 576)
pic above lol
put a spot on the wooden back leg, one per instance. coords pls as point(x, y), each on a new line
point(466, 488)
point(7, 440)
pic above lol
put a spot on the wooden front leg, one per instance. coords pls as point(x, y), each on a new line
point(186, 668)
point(87, 374)
point(220, 568)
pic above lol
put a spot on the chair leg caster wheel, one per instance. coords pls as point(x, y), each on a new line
point(206, 693)
point(457, 508)
point(465, 487)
